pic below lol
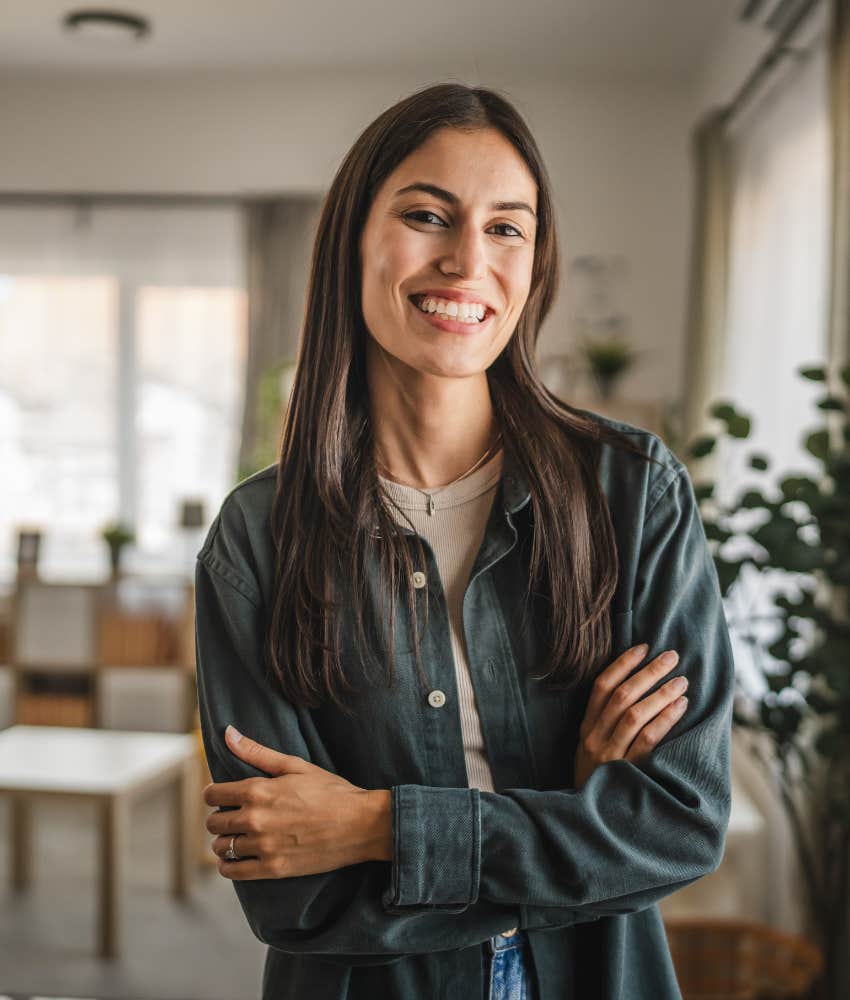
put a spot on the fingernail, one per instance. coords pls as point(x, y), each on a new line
point(642, 649)
point(681, 702)
point(235, 735)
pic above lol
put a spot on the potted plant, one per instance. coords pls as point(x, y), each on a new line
point(802, 530)
point(608, 359)
point(116, 534)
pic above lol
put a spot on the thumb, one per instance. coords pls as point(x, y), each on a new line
point(273, 762)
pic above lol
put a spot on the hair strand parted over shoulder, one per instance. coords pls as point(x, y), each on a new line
point(327, 498)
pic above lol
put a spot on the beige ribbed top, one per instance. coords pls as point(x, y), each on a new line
point(455, 531)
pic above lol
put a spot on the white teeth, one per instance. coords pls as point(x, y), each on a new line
point(463, 312)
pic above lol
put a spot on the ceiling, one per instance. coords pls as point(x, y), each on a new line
point(664, 40)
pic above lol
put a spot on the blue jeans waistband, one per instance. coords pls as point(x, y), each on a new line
point(500, 943)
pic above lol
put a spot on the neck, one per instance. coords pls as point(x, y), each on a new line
point(428, 429)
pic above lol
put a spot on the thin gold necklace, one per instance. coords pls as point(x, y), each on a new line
point(430, 494)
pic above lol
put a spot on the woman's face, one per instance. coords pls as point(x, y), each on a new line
point(454, 239)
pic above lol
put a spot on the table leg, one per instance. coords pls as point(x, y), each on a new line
point(113, 830)
point(186, 794)
point(21, 860)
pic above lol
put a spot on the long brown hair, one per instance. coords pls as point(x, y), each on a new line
point(328, 500)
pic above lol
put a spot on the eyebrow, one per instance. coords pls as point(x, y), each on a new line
point(452, 199)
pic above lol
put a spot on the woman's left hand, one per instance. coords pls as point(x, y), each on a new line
point(300, 821)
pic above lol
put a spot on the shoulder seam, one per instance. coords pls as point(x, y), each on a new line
point(663, 487)
point(229, 575)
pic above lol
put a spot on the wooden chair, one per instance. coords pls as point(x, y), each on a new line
point(54, 652)
point(724, 958)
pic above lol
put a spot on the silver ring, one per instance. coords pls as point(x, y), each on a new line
point(230, 854)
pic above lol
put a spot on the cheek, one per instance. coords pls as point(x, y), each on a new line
point(519, 278)
point(390, 265)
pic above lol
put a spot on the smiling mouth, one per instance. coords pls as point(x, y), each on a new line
point(416, 299)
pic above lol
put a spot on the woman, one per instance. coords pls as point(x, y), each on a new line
point(458, 778)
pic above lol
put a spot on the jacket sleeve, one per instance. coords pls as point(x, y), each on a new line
point(633, 833)
point(339, 914)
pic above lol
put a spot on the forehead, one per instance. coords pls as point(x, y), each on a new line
point(480, 164)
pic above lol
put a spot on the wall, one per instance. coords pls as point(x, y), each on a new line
point(617, 155)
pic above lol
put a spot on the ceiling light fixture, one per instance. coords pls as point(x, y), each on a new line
point(106, 27)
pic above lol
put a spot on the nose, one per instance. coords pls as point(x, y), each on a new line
point(468, 253)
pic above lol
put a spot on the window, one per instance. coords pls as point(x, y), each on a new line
point(777, 316)
point(123, 339)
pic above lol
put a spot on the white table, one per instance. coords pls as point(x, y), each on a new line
point(112, 769)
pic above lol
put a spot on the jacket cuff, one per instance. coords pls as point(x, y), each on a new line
point(436, 848)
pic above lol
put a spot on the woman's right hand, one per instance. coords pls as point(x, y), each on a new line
point(617, 723)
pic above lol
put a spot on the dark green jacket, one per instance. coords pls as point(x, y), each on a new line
point(580, 870)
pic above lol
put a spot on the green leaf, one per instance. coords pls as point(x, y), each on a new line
point(702, 491)
point(819, 704)
point(830, 403)
point(815, 374)
point(759, 461)
point(777, 682)
point(817, 444)
point(740, 427)
point(701, 446)
point(797, 488)
point(714, 532)
point(723, 411)
point(753, 498)
point(727, 572)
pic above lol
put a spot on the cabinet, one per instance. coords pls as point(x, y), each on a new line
point(70, 643)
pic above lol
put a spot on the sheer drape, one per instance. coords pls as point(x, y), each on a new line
point(776, 320)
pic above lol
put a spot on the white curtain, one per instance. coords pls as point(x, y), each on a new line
point(777, 320)
point(779, 259)
point(122, 361)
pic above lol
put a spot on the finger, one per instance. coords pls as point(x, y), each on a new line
point(239, 871)
point(230, 793)
point(654, 732)
point(245, 846)
point(233, 821)
point(630, 691)
point(608, 679)
point(640, 714)
point(264, 758)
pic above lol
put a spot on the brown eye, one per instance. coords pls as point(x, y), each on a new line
point(413, 215)
point(507, 225)
point(503, 225)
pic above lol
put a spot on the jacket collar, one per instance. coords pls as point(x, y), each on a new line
point(516, 493)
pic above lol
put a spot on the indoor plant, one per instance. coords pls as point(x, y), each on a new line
point(273, 389)
point(608, 359)
point(116, 534)
point(803, 531)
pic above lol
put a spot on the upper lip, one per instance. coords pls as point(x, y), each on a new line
point(454, 295)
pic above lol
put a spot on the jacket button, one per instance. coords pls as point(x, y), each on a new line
point(418, 579)
point(436, 699)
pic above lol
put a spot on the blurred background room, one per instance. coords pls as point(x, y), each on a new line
point(161, 175)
